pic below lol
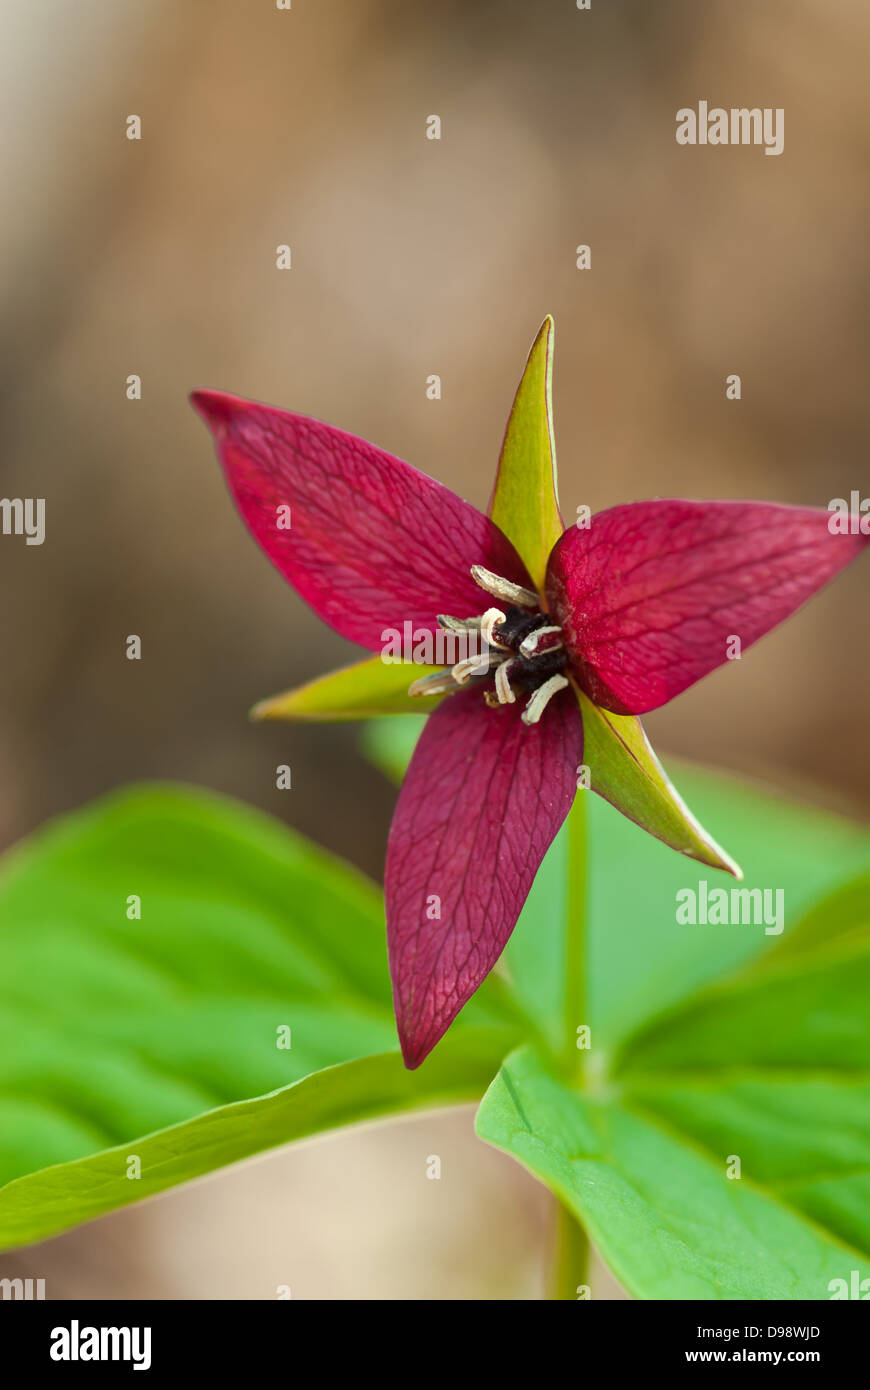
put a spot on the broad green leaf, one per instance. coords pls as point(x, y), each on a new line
point(50, 1200)
point(666, 1217)
point(803, 1135)
point(641, 959)
point(114, 1026)
point(525, 502)
point(624, 770)
point(773, 1065)
point(807, 1011)
point(845, 912)
point(362, 691)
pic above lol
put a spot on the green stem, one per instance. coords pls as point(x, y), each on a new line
point(571, 1244)
point(570, 1269)
point(575, 937)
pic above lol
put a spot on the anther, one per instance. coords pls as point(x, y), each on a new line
point(458, 624)
point(530, 645)
point(503, 588)
point(434, 684)
point(541, 698)
point(477, 665)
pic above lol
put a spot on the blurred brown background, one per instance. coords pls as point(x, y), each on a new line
point(410, 257)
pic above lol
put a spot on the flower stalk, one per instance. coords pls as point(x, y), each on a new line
point(576, 994)
point(569, 1273)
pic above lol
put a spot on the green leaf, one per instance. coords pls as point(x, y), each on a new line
point(626, 772)
point(801, 1011)
point(362, 691)
point(666, 1217)
point(773, 1065)
point(524, 501)
point(53, 1199)
point(844, 912)
point(115, 1027)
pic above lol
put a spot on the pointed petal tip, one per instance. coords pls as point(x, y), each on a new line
point(412, 1055)
point(276, 707)
point(415, 1039)
point(215, 407)
point(417, 1044)
point(544, 332)
point(719, 859)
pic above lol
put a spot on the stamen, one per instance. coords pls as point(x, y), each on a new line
point(502, 684)
point(492, 618)
point(433, 684)
point(503, 588)
point(529, 645)
point(541, 698)
point(458, 624)
point(477, 665)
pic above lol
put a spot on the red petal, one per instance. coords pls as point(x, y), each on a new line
point(481, 802)
point(649, 594)
point(372, 542)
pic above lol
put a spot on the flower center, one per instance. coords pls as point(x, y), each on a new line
point(513, 648)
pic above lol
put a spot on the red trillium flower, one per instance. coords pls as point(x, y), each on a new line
point(628, 612)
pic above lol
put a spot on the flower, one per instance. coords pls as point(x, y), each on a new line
point(629, 611)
